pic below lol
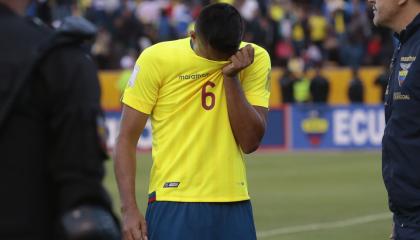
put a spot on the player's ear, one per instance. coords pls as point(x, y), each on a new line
point(193, 35)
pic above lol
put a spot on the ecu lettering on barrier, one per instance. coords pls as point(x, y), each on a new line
point(336, 127)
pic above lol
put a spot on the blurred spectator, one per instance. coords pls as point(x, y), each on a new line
point(334, 32)
point(261, 32)
point(127, 28)
point(374, 48)
point(319, 87)
point(165, 30)
point(127, 63)
point(313, 56)
point(382, 81)
point(318, 28)
point(356, 89)
point(247, 8)
point(286, 86)
point(283, 52)
point(101, 49)
point(298, 33)
point(63, 8)
point(148, 12)
point(301, 88)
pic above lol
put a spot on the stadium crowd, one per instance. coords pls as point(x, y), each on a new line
point(297, 34)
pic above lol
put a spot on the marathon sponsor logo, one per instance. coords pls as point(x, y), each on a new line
point(408, 59)
point(399, 96)
point(171, 185)
point(193, 76)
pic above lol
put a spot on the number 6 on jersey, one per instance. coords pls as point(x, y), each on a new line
point(205, 95)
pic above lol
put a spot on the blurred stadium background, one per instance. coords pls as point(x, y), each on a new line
point(317, 175)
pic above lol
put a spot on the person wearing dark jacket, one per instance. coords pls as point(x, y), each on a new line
point(286, 86)
point(356, 89)
point(51, 155)
point(401, 140)
point(382, 82)
point(319, 87)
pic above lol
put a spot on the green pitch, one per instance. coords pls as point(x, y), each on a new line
point(305, 196)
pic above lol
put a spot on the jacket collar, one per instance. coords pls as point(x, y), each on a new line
point(4, 10)
point(409, 30)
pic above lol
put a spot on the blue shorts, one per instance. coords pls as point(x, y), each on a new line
point(202, 221)
point(406, 228)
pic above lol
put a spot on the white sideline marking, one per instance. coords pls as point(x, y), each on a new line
point(326, 225)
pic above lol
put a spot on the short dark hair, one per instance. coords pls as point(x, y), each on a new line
point(221, 26)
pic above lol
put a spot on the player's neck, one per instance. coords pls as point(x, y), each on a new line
point(208, 54)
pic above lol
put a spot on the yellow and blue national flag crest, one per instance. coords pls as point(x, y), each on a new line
point(402, 74)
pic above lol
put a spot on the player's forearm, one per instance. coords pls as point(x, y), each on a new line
point(125, 172)
point(247, 125)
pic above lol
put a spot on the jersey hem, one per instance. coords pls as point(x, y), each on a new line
point(176, 199)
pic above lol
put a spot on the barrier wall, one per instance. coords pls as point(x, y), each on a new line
point(112, 122)
point(335, 127)
point(275, 136)
point(339, 79)
point(302, 127)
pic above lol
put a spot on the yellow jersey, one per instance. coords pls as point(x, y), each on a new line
point(298, 34)
point(195, 155)
point(318, 25)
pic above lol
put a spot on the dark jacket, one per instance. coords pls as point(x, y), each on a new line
point(356, 91)
point(382, 82)
point(286, 87)
point(401, 141)
point(319, 88)
point(51, 157)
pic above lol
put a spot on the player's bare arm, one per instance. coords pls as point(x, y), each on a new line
point(248, 122)
point(132, 124)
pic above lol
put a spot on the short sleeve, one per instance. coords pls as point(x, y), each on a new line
point(142, 89)
point(256, 79)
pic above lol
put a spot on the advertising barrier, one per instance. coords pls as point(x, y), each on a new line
point(301, 127)
point(112, 122)
point(275, 134)
point(336, 127)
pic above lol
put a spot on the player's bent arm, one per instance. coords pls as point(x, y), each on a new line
point(132, 124)
point(248, 122)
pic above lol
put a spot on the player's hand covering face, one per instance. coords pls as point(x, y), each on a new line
point(239, 61)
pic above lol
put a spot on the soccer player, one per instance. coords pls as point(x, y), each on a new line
point(401, 141)
point(207, 97)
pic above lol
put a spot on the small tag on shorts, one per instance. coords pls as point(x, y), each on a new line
point(171, 185)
